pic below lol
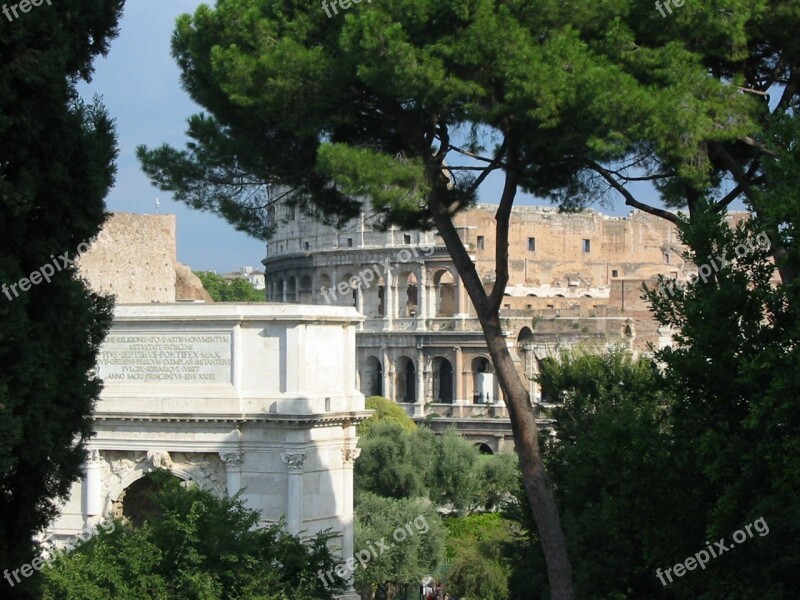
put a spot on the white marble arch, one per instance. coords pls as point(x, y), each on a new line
point(260, 398)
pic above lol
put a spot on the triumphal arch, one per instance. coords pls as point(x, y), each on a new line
point(257, 398)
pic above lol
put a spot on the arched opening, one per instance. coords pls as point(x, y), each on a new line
point(484, 448)
point(482, 380)
point(280, 289)
point(445, 294)
point(353, 283)
point(525, 335)
point(442, 380)
point(381, 298)
point(540, 365)
point(408, 295)
point(306, 291)
point(291, 290)
point(137, 499)
point(325, 289)
point(372, 377)
point(406, 388)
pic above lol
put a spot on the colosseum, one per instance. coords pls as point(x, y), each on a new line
point(575, 280)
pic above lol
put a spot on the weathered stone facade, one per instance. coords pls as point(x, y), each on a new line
point(575, 279)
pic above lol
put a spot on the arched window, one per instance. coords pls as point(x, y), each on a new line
point(372, 377)
point(443, 384)
point(482, 381)
point(445, 293)
point(406, 387)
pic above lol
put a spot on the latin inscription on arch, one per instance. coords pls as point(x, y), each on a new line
point(166, 358)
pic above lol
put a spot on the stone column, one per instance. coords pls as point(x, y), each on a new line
point(419, 406)
point(349, 456)
point(233, 470)
point(459, 375)
point(422, 298)
point(294, 511)
point(359, 302)
point(389, 299)
point(388, 371)
point(93, 485)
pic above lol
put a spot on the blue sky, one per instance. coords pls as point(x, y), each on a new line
point(139, 84)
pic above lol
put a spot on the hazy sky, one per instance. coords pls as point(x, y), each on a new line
point(139, 84)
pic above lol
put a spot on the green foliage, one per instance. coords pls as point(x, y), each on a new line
point(56, 167)
point(390, 463)
point(498, 476)
point(386, 411)
point(400, 463)
point(454, 477)
point(709, 444)
point(478, 569)
point(222, 290)
point(412, 539)
point(194, 545)
point(390, 102)
point(734, 378)
point(611, 464)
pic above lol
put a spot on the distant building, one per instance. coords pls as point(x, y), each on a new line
point(254, 276)
point(574, 279)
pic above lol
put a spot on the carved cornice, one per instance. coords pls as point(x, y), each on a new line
point(312, 420)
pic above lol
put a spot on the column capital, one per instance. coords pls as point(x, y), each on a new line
point(349, 456)
point(94, 458)
point(232, 460)
point(295, 461)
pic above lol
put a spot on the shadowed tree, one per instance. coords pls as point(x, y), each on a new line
point(56, 166)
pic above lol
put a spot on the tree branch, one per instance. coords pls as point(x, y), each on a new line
point(630, 200)
point(502, 218)
point(477, 157)
point(497, 162)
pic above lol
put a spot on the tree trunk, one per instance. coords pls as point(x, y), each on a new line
point(534, 477)
point(521, 412)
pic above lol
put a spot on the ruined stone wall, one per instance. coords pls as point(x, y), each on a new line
point(134, 257)
point(573, 255)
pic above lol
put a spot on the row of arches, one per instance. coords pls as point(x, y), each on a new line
point(437, 381)
point(403, 295)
